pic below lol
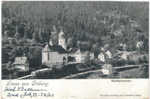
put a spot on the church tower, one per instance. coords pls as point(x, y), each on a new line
point(61, 39)
point(53, 36)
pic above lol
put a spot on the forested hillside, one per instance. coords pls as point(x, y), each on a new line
point(96, 23)
point(85, 21)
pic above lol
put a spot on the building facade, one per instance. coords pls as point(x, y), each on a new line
point(82, 56)
point(53, 55)
point(21, 64)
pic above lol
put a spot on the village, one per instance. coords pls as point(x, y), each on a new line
point(73, 43)
point(57, 56)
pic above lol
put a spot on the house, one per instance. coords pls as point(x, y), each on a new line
point(78, 55)
point(139, 44)
point(106, 51)
point(53, 55)
point(138, 58)
point(21, 64)
point(81, 56)
point(124, 54)
point(101, 57)
point(104, 54)
point(107, 69)
point(91, 55)
point(109, 54)
point(123, 46)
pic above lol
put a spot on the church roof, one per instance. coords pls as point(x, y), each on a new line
point(54, 48)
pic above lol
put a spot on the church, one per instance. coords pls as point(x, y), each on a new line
point(54, 54)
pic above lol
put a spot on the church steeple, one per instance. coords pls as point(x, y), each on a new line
point(53, 36)
point(61, 39)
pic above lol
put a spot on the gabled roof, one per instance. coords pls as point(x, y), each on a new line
point(54, 48)
point(73, 50)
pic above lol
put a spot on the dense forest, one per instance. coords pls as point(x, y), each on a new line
point(81, 20)
point(92, 23)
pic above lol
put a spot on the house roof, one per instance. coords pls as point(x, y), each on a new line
point(73, 50)
point(79, 51)
point(20, 60)
point(54, 48)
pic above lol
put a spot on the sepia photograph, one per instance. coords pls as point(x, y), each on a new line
point(75, 40)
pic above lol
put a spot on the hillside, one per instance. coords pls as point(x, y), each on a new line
point(80, 20)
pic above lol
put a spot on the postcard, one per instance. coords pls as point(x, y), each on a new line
point(75, 50)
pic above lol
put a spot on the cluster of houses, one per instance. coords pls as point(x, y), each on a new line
point(58, 54)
